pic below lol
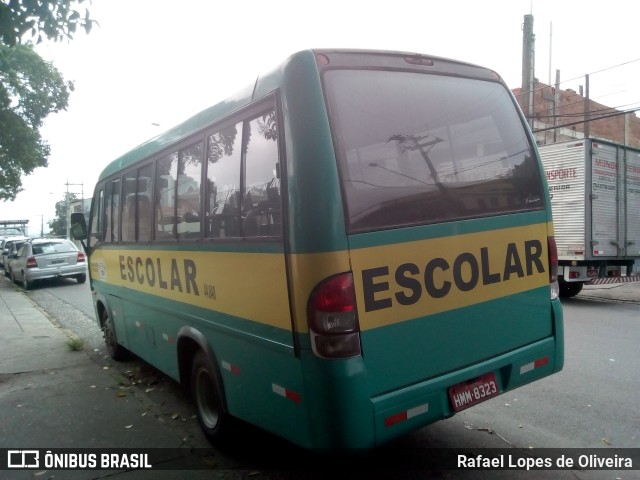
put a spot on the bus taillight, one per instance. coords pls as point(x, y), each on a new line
point(333, 318)
point(553, 267)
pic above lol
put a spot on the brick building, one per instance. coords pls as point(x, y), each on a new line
point(616, 127)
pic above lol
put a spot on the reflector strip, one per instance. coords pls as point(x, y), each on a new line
point(286, 393)
point(541, 362)
point(167, 338)
point(139, 324)
point(235, 369)
point(407, 414)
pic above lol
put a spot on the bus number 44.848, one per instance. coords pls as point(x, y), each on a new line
point(210, 291)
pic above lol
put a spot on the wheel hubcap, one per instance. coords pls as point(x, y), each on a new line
point(206, 399)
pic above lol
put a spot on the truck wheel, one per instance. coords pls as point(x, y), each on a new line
point(570, 289)
point(208, 397)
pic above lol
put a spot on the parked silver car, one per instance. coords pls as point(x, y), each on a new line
point(43, 258)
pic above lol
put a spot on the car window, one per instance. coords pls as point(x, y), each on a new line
point(53, 247)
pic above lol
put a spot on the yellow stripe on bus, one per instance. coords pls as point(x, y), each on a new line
point(395, 283)
point(247, 285)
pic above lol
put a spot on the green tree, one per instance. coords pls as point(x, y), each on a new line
point(58, 226)
point(30, 87)
point(40, 19)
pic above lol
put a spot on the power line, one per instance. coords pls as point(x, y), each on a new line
point(581, 76)
point(601, 117)
point(581, 114)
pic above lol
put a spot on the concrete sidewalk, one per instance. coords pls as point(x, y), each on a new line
point(52, 396)
point(28, 339)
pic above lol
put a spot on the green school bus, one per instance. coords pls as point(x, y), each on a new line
point(357, 245)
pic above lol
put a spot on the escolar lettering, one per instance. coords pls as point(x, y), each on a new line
point(465, 274)
point(149, 271)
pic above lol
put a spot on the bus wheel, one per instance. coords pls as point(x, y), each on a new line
point(207, 395)
point(115, 350)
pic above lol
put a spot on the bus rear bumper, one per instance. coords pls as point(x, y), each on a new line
point(402, 411)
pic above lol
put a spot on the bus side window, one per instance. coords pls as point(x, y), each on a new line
point(129, 207)
point(145, 212)
point(223, 182)
point(166, 179)
point(188, 191)
point(97, 222)
point(262, 206)
point(112, 211)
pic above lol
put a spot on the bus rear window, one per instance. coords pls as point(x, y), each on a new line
point(417, 148)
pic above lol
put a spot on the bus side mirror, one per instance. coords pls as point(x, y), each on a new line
point(78, 226)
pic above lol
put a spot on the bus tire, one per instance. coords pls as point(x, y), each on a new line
point(208, 398)
point(115, 350)
point(569, 289)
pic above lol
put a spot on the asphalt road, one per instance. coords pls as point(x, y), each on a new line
point(592, 403)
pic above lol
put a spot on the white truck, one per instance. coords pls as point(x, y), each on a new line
point(595, 198)
point(13, 227)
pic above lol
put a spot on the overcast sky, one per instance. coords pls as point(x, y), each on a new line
point(152, 63)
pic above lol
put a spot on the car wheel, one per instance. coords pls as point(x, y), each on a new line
point(115, 350)
point(82, 278)
point(208, 397)
point(26, 284)
point(12, 276)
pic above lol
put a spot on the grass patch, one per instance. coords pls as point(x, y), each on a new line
point(75, 344)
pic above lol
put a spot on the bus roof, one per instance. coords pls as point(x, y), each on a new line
point(183, 130)
point(264, 84)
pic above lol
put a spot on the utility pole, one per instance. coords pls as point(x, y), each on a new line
point(553, 98)
point(556, 107)
point(528, 66)
point(587, 106)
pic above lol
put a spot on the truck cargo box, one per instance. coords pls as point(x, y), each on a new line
point(595, 197)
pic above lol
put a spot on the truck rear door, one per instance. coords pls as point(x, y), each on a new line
point(632, 203)
point(607, 219)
